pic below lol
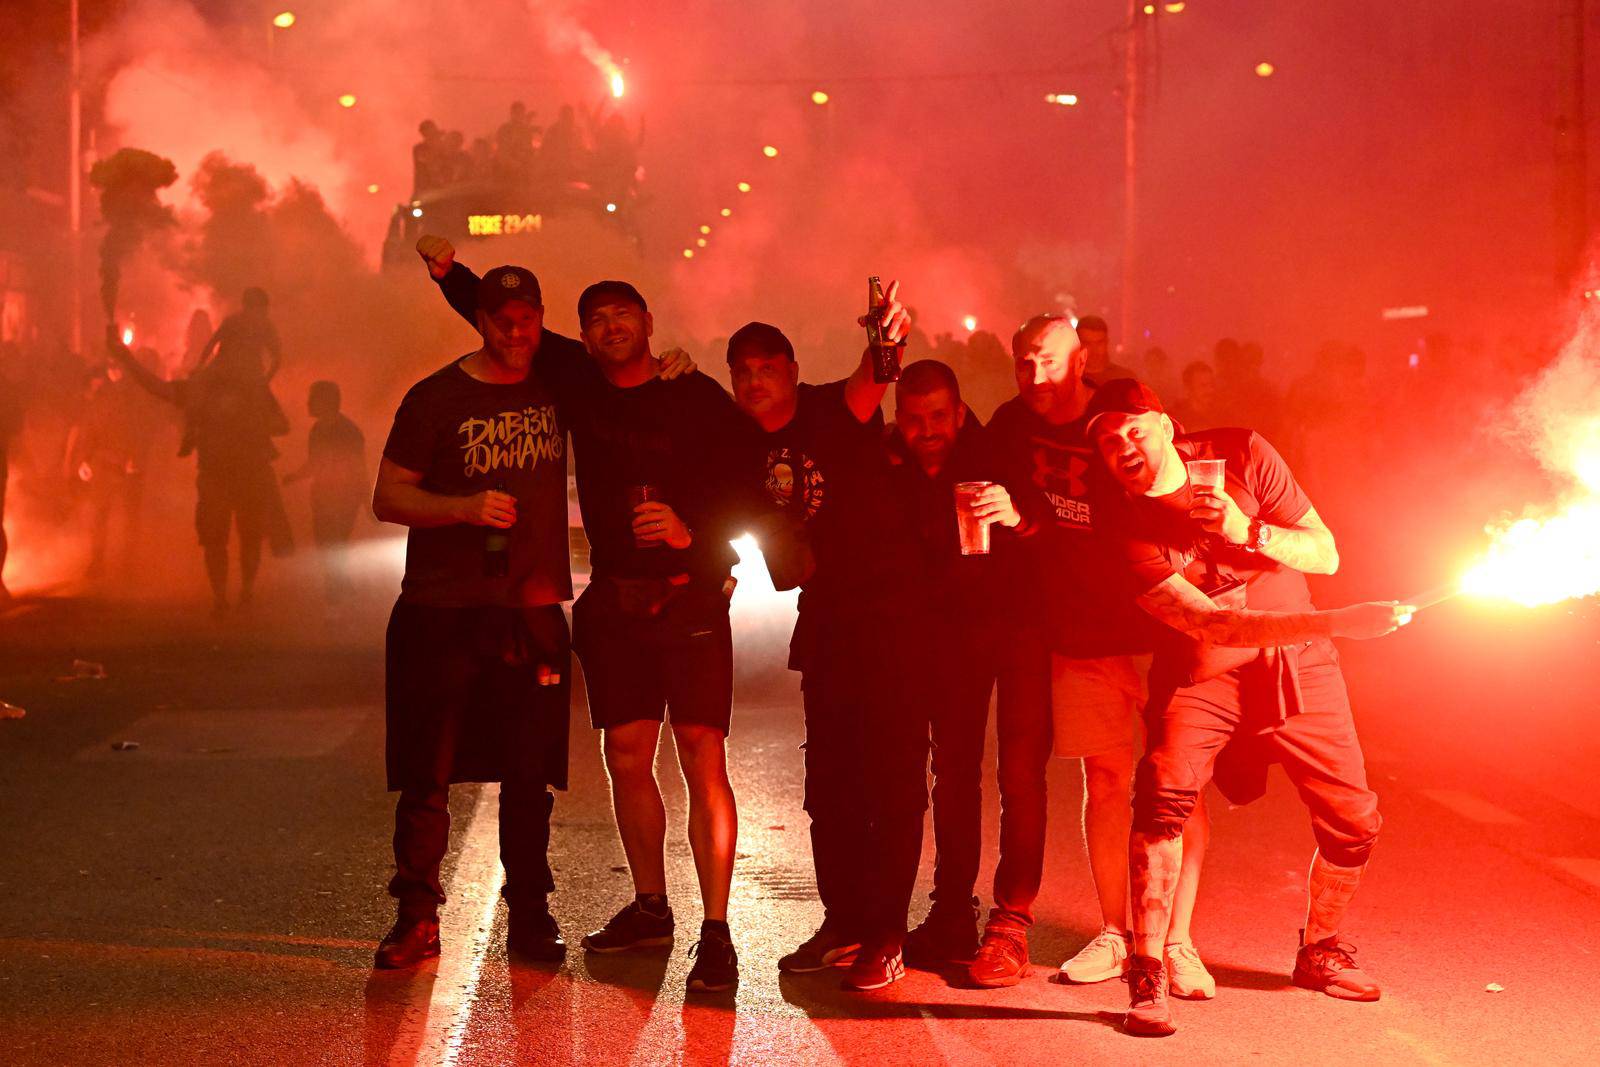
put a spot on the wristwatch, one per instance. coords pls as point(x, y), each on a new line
point(1260, 533)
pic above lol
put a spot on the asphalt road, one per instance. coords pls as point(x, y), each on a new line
point(215, 894)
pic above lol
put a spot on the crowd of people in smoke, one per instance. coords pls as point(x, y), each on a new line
point(584, 149)
point(91, 432)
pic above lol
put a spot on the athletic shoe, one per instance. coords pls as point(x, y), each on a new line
point(534, 935)
point(947, 935)
point(632, 927)
point(875, 968)
point(1187, 976)
point(408, 943)
point(1329, 966)
point(1002, 959)
point(825, 948)
point(716, 964)
point(1102, 959)
point(1149, 1011)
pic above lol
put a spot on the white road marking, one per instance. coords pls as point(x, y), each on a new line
point(1471, 806)
point(1584, 867)
point(434, 1036)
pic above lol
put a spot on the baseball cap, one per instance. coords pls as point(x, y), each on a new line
point(1122, 396)
point(508, 283)
point(605, 292)
point(763, 338)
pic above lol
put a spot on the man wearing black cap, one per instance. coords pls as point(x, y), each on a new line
point(852, 550)
point(1247, 676)
point(477, 648)
point(662, 494)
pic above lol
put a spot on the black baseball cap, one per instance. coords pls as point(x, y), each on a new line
point(508, 283)
point(763, 338)
point(606, 291)
point(1122, 396)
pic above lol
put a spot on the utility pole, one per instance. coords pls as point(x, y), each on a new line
point(75, 176)
point(1572, 181)
point(1135, 59)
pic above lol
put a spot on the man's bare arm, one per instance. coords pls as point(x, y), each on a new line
point(399, 498)
point(1307, 546)
point(1186, 609)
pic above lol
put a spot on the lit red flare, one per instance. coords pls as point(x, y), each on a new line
point(1536, 561)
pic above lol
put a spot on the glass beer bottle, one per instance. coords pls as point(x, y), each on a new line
point(885, 353)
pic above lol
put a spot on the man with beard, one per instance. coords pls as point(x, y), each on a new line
point(937, 444)
point(230, 418)
point(662, 495)
point(859, 644)
point(1247, 675)
point(477, 646)
point(1078, 674)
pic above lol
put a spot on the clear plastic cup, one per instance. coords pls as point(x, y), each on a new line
point(974, 531)
point(1206, 473)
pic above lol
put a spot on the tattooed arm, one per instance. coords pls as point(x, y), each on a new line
point(1186, 609)
point(1307, 545)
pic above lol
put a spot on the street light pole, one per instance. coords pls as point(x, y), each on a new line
point(1572, 157)
point(75, 176)
point(1132, 103)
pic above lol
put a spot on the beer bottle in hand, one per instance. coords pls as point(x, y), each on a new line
point(497, 545)
point(885, 353)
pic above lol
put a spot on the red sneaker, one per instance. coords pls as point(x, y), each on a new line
point(1002, 959)
point(1149, 1011)
point(1329, 966)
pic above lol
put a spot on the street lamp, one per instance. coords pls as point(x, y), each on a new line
point(283, 19)
point(1264, 69)
point(347, 100)
point(819, 98)
point(770, 151)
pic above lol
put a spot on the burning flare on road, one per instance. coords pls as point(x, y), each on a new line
point(1553, 554)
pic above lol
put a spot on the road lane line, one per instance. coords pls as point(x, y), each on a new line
point(1471, 806)
point(1583, 867)
point(465, 923)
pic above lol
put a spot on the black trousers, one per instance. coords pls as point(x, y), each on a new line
point(866, 790)
point(422, 835)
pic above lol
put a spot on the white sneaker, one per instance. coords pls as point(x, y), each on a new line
point(1189, 978)
point(1104, 958)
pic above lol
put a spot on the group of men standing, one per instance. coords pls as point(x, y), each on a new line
point(1104, 552)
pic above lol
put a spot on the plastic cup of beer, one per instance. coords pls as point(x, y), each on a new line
point(1207, 473)
point(641, 494)
point(973, 530)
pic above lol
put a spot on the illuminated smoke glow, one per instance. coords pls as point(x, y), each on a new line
point(1552, 553)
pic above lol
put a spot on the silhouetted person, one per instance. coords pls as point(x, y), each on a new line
point(231, 418)
point(106, 456)
point(616, 159)
point(11, 410)
point(514, 144)
point(336, 463)
point(455, 165)
point(1095, 336)
point(1244, 397)
point(1196, 409)
point(425, 158)
point(558, 153)
point(196, 337)
point(247, 340)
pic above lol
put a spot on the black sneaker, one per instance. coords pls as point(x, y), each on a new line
point(828, 947)
point(408, 943)
point(532, 933)
point(716, 964)
point(632, 927)
point(947, 935)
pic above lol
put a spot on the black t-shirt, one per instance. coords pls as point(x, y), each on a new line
point(1158, 539)
point(684, 437)
point(464, 436)
point(829, 472)
point(1068, 578)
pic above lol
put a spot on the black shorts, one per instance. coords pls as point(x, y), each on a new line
point(463, 699)
point(642, 667)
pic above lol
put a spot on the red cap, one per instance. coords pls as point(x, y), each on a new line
point(1123, 396)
